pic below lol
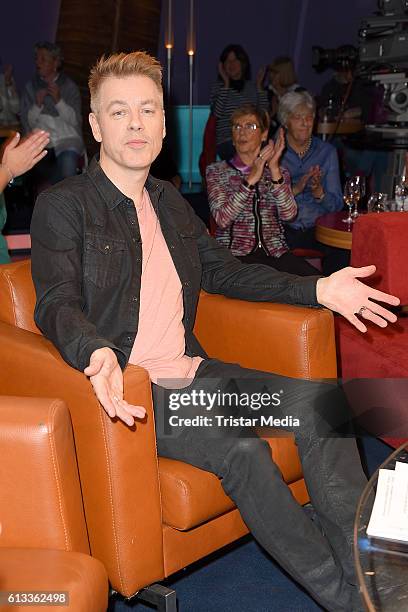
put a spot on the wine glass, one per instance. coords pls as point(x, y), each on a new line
point(348, 197)
point(401, 192)
point(351, 196)
point(377, 203)
point(361, 191)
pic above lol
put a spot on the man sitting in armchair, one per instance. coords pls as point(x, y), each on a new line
point(118, 260)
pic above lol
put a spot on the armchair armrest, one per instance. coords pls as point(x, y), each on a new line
point(288, 340)
point(117, 464)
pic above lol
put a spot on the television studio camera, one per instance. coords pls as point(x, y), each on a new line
point(381, 58)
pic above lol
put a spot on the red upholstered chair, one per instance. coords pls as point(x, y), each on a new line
point(381, 354)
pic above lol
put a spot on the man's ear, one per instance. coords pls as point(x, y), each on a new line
point(93, 121)
point(164, 124)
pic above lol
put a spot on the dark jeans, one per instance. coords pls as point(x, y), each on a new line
point(323, 564)
point(334, 259)
point(285, 263)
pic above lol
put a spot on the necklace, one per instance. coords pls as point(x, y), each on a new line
point(304, 151)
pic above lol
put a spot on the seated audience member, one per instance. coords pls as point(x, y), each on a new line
point(250, 196)
point(51, 101)
point(9, 100)
point(314, 170)
point(232, 90)
point(282, 78)
point(17, 158)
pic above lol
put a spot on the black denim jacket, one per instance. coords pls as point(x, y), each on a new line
point(87, 262)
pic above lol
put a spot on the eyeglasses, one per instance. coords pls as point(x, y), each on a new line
point(248, 127)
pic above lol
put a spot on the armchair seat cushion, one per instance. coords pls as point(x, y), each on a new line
point(191, 497)
point(31, 569)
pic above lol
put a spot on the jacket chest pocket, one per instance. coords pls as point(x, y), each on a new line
point(103, 260)
point(191, 249)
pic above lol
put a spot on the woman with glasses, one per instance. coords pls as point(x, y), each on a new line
point(314, 170)
point(250, 196)
point(233, 89)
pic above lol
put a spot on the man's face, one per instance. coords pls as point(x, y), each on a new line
point(129, 122)
point(46, 64)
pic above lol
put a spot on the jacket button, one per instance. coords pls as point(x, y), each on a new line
point(134, 298)
point(129, 338)
point(107, 248)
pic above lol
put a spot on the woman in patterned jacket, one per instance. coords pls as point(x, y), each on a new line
point(250, 196)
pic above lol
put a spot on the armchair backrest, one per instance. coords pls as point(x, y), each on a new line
point(40, 496)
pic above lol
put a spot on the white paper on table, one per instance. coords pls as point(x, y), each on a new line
point(389, 517)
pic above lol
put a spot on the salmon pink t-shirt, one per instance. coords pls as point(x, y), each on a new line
point(159, 346)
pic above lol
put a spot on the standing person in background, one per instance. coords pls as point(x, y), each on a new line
point(9, 100)
point(232, 90)
point(352, 98)
point(314, 169)
point(16, 159)
point(51, 101)
point(282, 78)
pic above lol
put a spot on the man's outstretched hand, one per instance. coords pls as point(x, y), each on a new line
point(342, 292)
point(107, 380)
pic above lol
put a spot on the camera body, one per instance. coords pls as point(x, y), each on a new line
point(381, 57)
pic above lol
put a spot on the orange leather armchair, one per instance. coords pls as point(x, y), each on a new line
point(44, 543)
point(148, 517)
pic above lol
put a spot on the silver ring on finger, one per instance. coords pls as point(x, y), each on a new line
point(362, 309)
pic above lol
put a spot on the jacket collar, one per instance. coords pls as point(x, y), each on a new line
point(111, 195)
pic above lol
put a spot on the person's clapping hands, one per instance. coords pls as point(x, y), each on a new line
point(316, 183)
point(54, 91)
point(260, 77)
point(277, 149)
point(270, 154)
point(39, 97)
point(314, 176)
point(19, 156)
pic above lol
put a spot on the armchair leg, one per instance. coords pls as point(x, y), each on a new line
point(160, 596)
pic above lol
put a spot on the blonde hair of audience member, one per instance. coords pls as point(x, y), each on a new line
point(282, 74)
point(122, 65)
